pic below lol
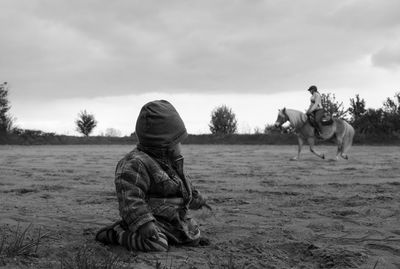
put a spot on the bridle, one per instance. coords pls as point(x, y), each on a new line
point(285, 119)
point(285, 114)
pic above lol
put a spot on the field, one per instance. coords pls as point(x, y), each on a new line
point(268, 211)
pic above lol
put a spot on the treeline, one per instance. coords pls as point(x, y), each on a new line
point(38, 138)
point(373, 126)
point(273, 138)
point(35, 137)
point(384, 121)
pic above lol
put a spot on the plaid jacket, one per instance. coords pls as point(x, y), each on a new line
point(138, 179)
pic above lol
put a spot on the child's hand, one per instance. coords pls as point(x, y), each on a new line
point(198, 203)
point(148, 230)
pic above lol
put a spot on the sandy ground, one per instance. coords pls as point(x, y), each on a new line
point(269, 212)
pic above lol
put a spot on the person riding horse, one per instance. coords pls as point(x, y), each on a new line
point(315, 112)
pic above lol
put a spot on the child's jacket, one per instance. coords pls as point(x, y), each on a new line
point(148, 190)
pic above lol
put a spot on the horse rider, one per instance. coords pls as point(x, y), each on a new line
point(315, 112)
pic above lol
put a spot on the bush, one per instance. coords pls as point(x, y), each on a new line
point(223, 121)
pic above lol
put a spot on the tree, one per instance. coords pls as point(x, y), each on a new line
point(372, 122)
point(111, 132)
point(269, 128)
point(6, 121)
point(382, 121)
point(332, 106)
point(391, 108)
point(85, 123)
point(223, 121)
point(357, 108)
point(257, 130)
point(359, 115)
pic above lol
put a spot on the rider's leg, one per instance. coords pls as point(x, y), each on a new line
point(318, 114)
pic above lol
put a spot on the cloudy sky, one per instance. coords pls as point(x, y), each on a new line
point(256, 56)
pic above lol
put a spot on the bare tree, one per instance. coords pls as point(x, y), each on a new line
point(85, 123)
point(223, 121)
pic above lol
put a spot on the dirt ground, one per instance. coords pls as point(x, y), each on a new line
point(268, 211)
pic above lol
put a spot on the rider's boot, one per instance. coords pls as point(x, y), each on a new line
point(317, 132)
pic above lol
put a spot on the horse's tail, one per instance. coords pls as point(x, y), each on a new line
point(347, 137)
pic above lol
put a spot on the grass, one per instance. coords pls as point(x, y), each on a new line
point(160, 265)
point(231, 264)
point(86, 258)
point(92, 258)
point(20, 243)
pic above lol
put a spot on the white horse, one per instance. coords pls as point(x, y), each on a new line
point(340, 129)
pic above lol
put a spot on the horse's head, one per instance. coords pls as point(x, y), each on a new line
point(282, 118)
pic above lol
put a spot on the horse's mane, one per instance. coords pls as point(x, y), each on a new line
point(296, 117)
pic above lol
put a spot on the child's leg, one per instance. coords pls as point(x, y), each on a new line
point(116, 234)
point(108, 235)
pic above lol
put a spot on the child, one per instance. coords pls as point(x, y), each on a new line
point(153, 192)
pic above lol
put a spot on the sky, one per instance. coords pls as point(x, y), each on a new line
point(109, 58)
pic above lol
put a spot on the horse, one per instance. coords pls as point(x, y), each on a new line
point(340, 129)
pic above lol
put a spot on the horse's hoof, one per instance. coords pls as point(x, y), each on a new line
point(345, 157)
point(294, 159)
point(323, 156)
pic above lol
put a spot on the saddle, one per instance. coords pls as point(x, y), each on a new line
point(326, 119)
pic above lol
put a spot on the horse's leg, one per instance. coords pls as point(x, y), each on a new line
point(339, 143)
point(347, 141)
point(311, 143)
point(300, 145)
point(345, 146)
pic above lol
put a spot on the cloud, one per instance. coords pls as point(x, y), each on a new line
point(66, 49)
point(387, 57)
